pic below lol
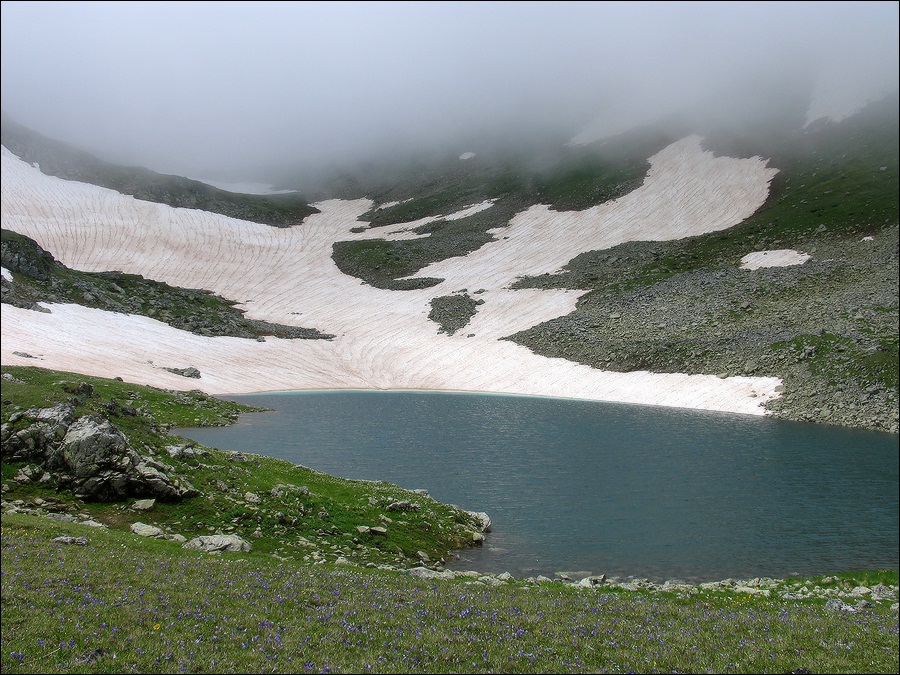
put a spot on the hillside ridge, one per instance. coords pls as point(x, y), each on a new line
point(647, 287)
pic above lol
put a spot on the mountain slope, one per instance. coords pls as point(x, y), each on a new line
point(495, 286)
point(57, 159)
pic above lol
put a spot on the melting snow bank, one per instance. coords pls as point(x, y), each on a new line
point(142, 350)
point(383, 339)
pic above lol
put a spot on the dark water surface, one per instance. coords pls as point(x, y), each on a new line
point(606, 488)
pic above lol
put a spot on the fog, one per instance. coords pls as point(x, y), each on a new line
point(229, 91)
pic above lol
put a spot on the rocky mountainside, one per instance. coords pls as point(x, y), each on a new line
point(827, 328)
point(826, 325)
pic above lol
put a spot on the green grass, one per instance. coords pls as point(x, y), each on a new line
point(837, 358)
point(126, 604)
point(312, 517)
point(123, 603)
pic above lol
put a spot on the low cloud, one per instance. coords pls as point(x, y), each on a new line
point(230, 91)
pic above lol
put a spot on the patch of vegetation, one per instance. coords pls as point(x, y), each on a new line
point(39, 277)
point(60, 160)
point(571, 178)
point(838, 359)
point(284, 509)
point(382, 263)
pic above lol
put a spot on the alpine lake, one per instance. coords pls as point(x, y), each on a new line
point(577, 486)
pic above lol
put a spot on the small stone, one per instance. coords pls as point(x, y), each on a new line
point(143, 504)
point(144, 530)
point(77, 541)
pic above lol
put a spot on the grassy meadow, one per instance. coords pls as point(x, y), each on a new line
point(316, 595)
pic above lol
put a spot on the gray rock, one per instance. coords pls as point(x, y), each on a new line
point(216, 543)
point(153, 477)
point(143, 504)
point(78, 541)
point(882, 592)
point(490, 580)
point(90, 455)
point(185, 451)
point(425, 573)
point(190, 371)
point(144, 530)
point(32, 443)
point(403, 505)
point(835, 605)
point(484, 520)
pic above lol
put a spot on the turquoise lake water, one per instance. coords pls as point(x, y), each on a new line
point(580, 486)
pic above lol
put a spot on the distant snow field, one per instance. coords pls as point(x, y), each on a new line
point(779, 258)
point(842, 91)
point(383, 339)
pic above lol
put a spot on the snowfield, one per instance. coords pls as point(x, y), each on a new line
point(383, 338)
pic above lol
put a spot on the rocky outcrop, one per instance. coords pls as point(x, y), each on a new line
point(483, 519)
point(42, 278)
point(89, 455)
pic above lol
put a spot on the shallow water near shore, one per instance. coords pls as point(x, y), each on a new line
point(624, 490)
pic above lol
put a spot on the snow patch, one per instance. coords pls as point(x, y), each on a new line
point(778, 258)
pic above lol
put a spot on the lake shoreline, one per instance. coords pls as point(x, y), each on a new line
point(514, 457)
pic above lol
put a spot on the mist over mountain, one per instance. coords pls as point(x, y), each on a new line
point(686, 204)
point(286, 92)
point(734, 255)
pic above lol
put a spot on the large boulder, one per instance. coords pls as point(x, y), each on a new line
point(90, 455)
point(48, 427)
